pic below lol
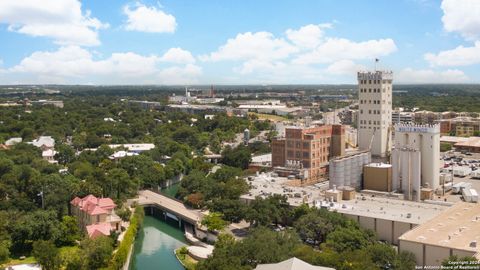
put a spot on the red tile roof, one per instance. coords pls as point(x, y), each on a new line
point(93, 205)
point(100, 229)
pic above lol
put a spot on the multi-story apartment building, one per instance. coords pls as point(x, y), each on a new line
point(375, 112)
point(95, 215)
point(305, 151)
point(460, 126)
point(402, 117)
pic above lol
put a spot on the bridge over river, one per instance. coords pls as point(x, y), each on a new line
point(171, 208)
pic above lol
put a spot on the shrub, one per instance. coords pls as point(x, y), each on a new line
point(121, 255)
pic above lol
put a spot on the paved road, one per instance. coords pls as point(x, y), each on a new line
point(147, 197)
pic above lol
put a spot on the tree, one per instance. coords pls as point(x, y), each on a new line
point(444, 147)
point(214, 221)
point(46, 254)
point(273, 209)
point(4, 251)
point(312, 228)
point(239, 157)
point(124, 213)
point(382, 255)
point(65, 153)
point(405, 261)
point(97, 251)
point(348, 239)
point(69, 231)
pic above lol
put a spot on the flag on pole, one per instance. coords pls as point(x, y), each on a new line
point(376, 60)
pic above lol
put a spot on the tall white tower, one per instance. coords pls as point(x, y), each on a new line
point(375, 112)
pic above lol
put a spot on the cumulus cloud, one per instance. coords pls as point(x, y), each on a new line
point(62, 20)
point(344, 67)
point(178, 56)
point(460, 56)
point(259, 45)
point(409, 75)
point(305, 53)
point(74, 64)
point(308, 36)
point(462, 16)
point(148, 19)
point(334, 49)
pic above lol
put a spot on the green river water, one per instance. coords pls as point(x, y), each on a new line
point(156, 243)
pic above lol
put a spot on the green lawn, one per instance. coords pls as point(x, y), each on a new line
point(271, 117)
point(15, 261)
point(188, 262)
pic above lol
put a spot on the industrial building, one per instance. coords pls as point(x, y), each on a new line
point(347, 170)
point(415, 159)
point(375, 112)
point(453, 232)
point(472, 144)
point(304, 151)
point(388, 217)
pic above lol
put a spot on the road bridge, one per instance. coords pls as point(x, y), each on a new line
point(170, 207)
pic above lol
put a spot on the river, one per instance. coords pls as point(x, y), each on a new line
point(155, 244)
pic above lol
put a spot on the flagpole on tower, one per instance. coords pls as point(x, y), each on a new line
point(376, 61)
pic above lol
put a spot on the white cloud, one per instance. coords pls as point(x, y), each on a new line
point(460, 56)
point(149, 19)
point(302, 56)
point(308, 36)
point(334, 49)
point(344, 67)
point(72, 64)
point(259, 45)
point(462, 16)
point(178, 56)
point(62, 20)
point(409, 75)
point(180, 75)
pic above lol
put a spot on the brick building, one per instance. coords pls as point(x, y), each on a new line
point(305, 151)
point(460, 126)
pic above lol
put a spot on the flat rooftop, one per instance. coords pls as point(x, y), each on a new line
point(470, 142)
point(389, 209)
point(456, 227)
point(453, 139)
point(264, 184)
point(379, 165)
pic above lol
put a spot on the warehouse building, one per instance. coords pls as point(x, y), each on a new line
point(389, 218)
point(453, 232)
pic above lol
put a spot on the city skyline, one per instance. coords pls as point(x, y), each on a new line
point(181, 42)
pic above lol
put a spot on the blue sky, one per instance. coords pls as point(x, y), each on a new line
point(237, 42)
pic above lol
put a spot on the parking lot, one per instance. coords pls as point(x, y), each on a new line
point(456, 160)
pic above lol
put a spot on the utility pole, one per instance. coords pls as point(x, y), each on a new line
point(43, 200)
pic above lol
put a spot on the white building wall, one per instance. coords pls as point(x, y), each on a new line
point(375, 111)
point(426, 139)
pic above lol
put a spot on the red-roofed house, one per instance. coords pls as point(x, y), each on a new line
point(95, 215)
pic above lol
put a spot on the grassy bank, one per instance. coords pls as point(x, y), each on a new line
point(188, 262)
point(121, 255)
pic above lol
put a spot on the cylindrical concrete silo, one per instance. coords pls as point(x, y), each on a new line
point(347, 172)
point(395, 170)
point(415, 171)
point(405, 172)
